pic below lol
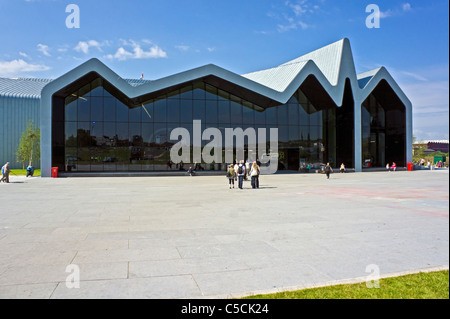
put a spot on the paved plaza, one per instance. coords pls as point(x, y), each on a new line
point(192, 237)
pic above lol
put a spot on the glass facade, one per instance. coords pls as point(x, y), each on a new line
point(99, 130)
point(383, 128)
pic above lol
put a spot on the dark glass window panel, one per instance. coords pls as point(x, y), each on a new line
point(84, 159)
point(109, 134)
point(122, 134)
point(186, 109)
point(84, 134)
point(303, 114)
point(109, 109)
point(147, 113)
point(235, 113)
point(293, 114)
point(71, 108)
point(199, 110)
point(173, 111)
point(199, 91)
point(135, 114)
point(260, 118)
point(282, 112)
point(121, 112)
point(160, 110)
point(96, 131)
point(147, 134)
point(186, 92)
point(109, 153)
point(294, 134)
point(135, 134)
point(224, 112)
point(160, 133)
point(304, 133)
point(211, 111)
point(315, 133)
point(248, 114)
point(271, 116)
point(316, 117)
point(106, 93)
point(97, 87)
point(136, 147)
point(170, 128)
point(84, 109)
point(211, 92)
point(96, 109)
point(283, 133)
point(122, 158)
point(71, 134)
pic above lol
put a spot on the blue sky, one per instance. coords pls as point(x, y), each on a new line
point(160, 38)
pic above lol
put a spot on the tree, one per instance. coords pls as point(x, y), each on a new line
point(29, 146)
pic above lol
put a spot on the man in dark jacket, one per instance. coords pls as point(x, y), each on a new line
point(328, 170)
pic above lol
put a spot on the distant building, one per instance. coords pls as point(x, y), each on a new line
point(438, 146)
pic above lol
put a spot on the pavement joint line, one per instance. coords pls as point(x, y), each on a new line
point(349, 281)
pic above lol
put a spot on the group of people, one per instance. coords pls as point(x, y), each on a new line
point(240, 172)
point(5, 173)
point(392, 168)
point(6, 170)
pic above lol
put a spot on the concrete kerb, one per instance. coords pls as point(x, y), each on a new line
point(349, 281)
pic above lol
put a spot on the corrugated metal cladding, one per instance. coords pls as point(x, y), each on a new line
point(14, 115)
point(19, 102)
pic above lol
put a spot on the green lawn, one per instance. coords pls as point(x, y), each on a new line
point(432, 285)
point(23, 172)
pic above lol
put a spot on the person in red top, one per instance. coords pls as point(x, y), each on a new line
point(394, 166)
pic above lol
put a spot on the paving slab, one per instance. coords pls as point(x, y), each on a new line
point(193, 237)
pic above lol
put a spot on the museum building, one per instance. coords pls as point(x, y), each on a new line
point(92, 120)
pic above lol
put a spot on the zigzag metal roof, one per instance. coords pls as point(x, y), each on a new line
point(331, 65)
point(32, 87)
point(22, 87)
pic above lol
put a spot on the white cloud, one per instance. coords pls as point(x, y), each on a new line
point(182, 47)
point(406, 7)
point(23, 54)
point(15, 67)
point(84, 46)
point(137, 52)
point(292, 15)
point(43, 49)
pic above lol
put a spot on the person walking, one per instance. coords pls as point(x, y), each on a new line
point(241, 174)
point(254, 173)
point(247, 170)
point(231, 175)
point(236, 166)
point(5, 173)
point(30, 170)
point(328, 170)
